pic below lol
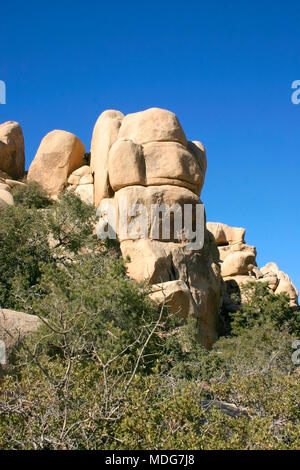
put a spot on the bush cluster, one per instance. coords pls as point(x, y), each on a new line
point(108, 369)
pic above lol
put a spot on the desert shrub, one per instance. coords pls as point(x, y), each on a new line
point(32, 195)
point(261, 306)
point(31, 239)
point(108, 369)
point(23, 248)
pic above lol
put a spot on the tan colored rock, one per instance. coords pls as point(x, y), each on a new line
point(288, 288)
point(227, 250)
point(198, 150)
point(238, 263)
point(144, 162)
point(86, 193)
point(74, 179)
point(172, 162)
point(83, 170)
point(172, 196)
point(4, 187)
point(12, 152)
point(176, 295)
point(14, 183)
point(272, 282)
point(86, 179)
point(284, 282)
point(153, 124)
point(6, 199)
point(126, 165)
point(59, 154)
point(14, 327)
point(159, 262)
point(105, 133)
point(150, 260)
point(224, 234)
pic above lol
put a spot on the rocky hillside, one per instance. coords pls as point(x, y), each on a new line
point(135, 341)
point(145, 158)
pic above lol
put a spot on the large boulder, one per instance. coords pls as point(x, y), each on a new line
point(59, 154)
point(144, 160)
point(12, 151)
point(176, 295)
point(226, 235)
point(168, 196)
point(105, 133)
point(152, 125)
point(238, 262)
point(14, 327)
point(159, 262)
point(239, 267)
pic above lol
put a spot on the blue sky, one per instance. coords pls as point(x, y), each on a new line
point(225, 68)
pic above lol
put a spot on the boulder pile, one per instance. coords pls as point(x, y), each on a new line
point(145, 159)
point(238, 266)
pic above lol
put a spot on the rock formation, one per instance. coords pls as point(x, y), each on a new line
point(81, 181)
point(238, 266)
point(144, 158)
point(12, 152)
point(59, 154)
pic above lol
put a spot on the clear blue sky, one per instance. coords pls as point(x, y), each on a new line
point(225, 68)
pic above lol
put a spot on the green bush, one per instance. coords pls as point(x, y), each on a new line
point(32, 195)
point(108, 369)
point(261, 306)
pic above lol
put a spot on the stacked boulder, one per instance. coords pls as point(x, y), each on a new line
point(12, 150)
point(12, 160)
point(60, 153)
point(14, 327)
point(145, 159)
point(238, 267)
point(81, 181)
point(280, 282)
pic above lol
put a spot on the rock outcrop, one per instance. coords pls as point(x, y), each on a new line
point(238, 266)
point(105, 133)
point(144, 159)
point(81, 181)
point(12, 151)
point(138, 162)
point(59, 154)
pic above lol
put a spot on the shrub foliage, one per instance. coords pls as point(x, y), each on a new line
point(108, 369)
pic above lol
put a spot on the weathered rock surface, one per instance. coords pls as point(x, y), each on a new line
point(152, 125)
point(176, 295)
point(81, 181)
point(144, 159)
point(238, 266)
point(59, 154)
point(12, 151)
point(14, 327)
point(86, 193)
point(284, 283)
point(105, 133)
point(6, 199)
point(226, 235)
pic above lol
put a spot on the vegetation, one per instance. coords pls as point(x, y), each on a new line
point(109, 370)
